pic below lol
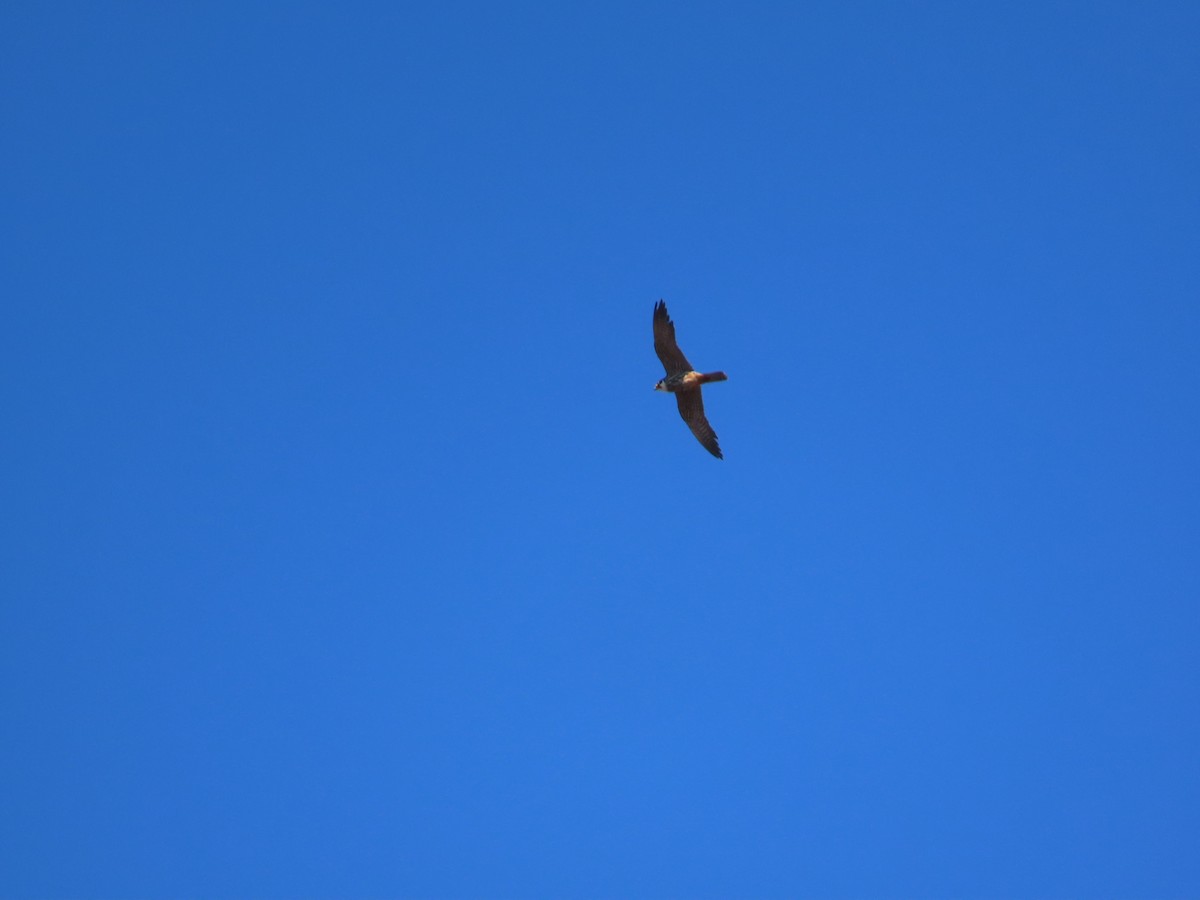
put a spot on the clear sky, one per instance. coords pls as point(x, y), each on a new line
point(347, 552)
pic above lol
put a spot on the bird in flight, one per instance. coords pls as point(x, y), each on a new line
point(683, 381)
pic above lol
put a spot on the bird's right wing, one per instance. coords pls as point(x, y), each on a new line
point(691, 408)
point(668, 351)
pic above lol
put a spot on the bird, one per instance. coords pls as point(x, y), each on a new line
point(683, 381)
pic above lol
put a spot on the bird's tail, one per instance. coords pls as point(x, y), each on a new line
point(713, 376)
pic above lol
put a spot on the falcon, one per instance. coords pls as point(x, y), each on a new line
point(683, 381)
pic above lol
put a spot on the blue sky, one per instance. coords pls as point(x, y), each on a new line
point(348, 552)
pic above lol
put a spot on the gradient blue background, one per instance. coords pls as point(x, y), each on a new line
point(347, 552)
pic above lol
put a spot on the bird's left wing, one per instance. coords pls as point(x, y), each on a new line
point(668, 351)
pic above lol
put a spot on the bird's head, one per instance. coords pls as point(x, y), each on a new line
point(662, 385)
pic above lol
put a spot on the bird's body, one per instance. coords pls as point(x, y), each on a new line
point(687, 381)
point(683, 381)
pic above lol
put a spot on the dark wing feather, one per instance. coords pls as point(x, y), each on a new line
point(668, 351)
point(691, 407)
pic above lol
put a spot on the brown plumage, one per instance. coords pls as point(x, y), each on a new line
point(683, 381)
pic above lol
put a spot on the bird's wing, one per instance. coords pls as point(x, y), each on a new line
point(691, 407)
point(668, 351)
